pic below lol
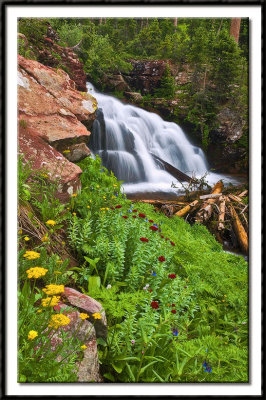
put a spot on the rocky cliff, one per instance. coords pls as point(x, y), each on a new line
point(45, 50)
point(54, 122)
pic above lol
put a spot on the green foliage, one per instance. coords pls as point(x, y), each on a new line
point(209, 291)
point(167, 85)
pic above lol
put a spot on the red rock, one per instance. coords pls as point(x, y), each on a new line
point(58, 84)
point(90, 306)
point(45, 157)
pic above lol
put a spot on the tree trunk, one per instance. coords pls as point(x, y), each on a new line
point(205, 212)
point(235, 28)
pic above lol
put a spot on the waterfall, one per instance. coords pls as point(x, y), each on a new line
point(124, 136)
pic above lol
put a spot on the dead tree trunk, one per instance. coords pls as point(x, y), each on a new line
point(206, 210)
point(235, 28)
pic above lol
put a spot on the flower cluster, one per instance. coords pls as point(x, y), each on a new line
point(58, 320)
point(142, 215)
point(172, 276)
point(31, 255)
point(50, 301)
point(51, 222)
point(32, 335)
point(153, 228)
point(207, 367)
point(97, 316)
point(161, 258)
point(36, 272)
point(155, 304)
point(143, 239)
point(83, 316)
point(54, 289)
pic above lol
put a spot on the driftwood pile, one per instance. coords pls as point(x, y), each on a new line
point(225, 214)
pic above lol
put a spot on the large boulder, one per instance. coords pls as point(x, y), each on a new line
point(89, 305)
point(88, 369)
point(54, 165)
point(53, 121)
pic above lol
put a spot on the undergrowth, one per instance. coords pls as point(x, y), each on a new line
point(176, 303)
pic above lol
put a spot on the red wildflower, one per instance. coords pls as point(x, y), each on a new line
point(173, 305)
point(185, 287)
point(172, 276)
point(143, 239)
point(149, 290)
point(151, 221)
point(166, 238)
point(172, 243)
point(135, 210)
point(134, 216)
point(161, 258)
point(173, 311)
point(155, 304)
point(162, 236)
point(112, 208)
point(153, 228)
point(142, 215)
point(124, 216)
point(118, 206)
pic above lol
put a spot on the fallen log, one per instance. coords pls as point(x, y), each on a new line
point(243, 194)
point(181, 176)
point(222, 200)
point(185, 210)
point(210, 196)
point(206, 210)
point(239, 230)
point(236, 198)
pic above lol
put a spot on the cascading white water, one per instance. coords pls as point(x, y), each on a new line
point(124, 136)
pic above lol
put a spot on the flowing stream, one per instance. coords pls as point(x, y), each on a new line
point(124, 136)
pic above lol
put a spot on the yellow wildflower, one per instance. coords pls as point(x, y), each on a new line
point(39, 311)
point(107, 208)
point(54, 289)
point(74, 195)
point(59, 261)
point(32, 335)
point(97, 315)
point(51, 222)
point(26, 238)
point(223, 300)
point(115, 185)
point(102, 208)
point(50, 301)
point(225, 295)
point(74, 214)
point(97, 186)
point(45, 238)
point(83, 316)
point(66, 151)
point(31, 255)
point(84, 347)
point(58, 320)
point(36, 272)
point(88, 206)
point(20, 232)
point(63, 243)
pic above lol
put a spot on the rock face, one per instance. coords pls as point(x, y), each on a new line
point(53, 116)
point(52, 55)
point(89, 305)
point(88, 367)
point(145, 75)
